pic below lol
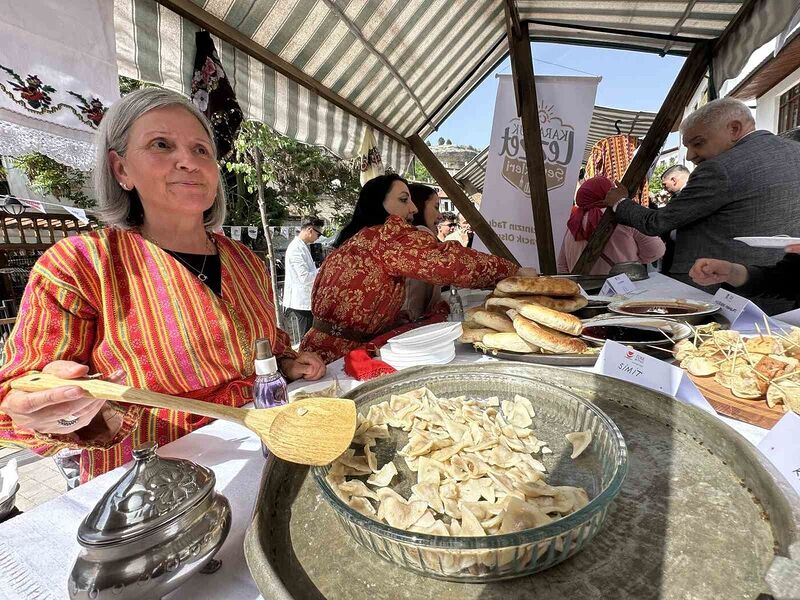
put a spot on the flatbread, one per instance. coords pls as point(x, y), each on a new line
point(552, 318)
point(470, 335)
point(546, 338)
point(493, 320)
point(507, 341)
point(544, 286)
point(468, 316)
point(567, 305)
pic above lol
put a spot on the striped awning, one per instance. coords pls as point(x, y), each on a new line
point(604, 123)
point(406, 63)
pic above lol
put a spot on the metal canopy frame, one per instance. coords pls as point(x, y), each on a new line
point(703, 51)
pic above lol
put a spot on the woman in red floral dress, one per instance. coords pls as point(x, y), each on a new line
point(359, 291)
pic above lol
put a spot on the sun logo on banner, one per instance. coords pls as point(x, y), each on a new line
point(558, 146)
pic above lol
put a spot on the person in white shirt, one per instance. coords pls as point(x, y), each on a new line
point(300, 273)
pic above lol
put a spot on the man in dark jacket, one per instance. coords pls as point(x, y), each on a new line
point(746, 183)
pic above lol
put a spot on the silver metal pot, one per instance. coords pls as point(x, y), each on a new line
point(159, 525)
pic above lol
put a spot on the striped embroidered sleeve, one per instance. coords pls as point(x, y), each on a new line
point(55, 322)
point(408, 252)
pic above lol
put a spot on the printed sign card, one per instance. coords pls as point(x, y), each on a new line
point(627, 364)
point(619, 285)
point(780, 446)
point(743, 315)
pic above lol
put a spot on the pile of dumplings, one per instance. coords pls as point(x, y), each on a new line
point(475, 463)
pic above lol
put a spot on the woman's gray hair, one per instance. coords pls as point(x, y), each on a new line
point(123, 209)
point(719, 113)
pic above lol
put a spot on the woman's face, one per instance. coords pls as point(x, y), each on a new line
point(431, 212)
point(398, 201)
point(170, 162)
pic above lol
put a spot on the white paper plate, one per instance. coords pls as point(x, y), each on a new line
point(426, 358)
point(427, 334)
point(775, 241)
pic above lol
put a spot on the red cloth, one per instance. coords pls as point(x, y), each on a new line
point(589, 201)
point(360, 365)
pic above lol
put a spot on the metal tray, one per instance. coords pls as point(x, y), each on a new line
point(555, 360)
point(701, 515)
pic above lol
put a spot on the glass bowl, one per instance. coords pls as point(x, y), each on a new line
point(600, 469)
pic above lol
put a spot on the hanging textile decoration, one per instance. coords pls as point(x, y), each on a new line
point(212, 93)
point(252, 231)
point(610, 158)
point(369, 158)
point(58, 73)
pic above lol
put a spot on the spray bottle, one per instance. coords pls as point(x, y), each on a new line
point(269, 388)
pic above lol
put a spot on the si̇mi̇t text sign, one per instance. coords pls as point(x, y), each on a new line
point(565, 111)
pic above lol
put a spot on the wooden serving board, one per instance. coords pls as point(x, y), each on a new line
point(755, 412)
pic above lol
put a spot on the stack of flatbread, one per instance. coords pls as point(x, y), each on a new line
point(528, 314)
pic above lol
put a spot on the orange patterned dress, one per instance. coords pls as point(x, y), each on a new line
point(112, 300)
point(361, 286)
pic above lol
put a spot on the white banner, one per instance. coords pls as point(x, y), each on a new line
point(565, 111)
point(252, 231)
point(236, 233)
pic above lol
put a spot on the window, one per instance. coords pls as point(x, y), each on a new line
point(789, 110)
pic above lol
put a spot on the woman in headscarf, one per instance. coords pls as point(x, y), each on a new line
point(625, 245)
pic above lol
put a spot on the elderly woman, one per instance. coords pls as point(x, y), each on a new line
point(154, 300)
point(360, 288)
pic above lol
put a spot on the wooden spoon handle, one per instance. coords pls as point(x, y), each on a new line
point(97, 388)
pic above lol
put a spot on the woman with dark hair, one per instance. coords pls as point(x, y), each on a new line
point(360, 288)
point(423, 298)
point(426, 200)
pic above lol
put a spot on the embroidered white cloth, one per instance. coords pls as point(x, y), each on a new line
point(58, 73)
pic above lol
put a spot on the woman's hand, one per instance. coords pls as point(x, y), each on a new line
point(710, 271)
point(61, 410)
point(306, 365)
point(795, 249)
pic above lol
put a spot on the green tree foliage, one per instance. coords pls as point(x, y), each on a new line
point(655, 185)
point(48, 176)
point(298, 178)
point(421, 173)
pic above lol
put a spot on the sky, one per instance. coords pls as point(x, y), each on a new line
point(631, 80)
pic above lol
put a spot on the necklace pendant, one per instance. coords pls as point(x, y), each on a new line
point(202, 277)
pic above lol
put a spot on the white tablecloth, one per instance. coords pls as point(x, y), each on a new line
point(37, 549)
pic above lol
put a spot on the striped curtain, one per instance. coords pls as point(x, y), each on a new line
point(156, 45)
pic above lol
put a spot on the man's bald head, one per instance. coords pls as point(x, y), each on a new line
point(715, 128)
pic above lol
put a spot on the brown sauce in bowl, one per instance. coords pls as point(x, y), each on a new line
point(624, 334)
point(659, 309)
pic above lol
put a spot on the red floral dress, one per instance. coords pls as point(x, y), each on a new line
point(361, 286)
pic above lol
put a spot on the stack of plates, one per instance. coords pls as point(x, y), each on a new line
point(428, 345)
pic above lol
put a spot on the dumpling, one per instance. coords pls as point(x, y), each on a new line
point(580, 440)
point(384, 476)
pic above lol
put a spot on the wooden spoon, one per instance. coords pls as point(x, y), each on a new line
point(311, 431)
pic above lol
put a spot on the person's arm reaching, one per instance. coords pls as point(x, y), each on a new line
point(413, 253)
point(781, 279)
point(705, 193)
